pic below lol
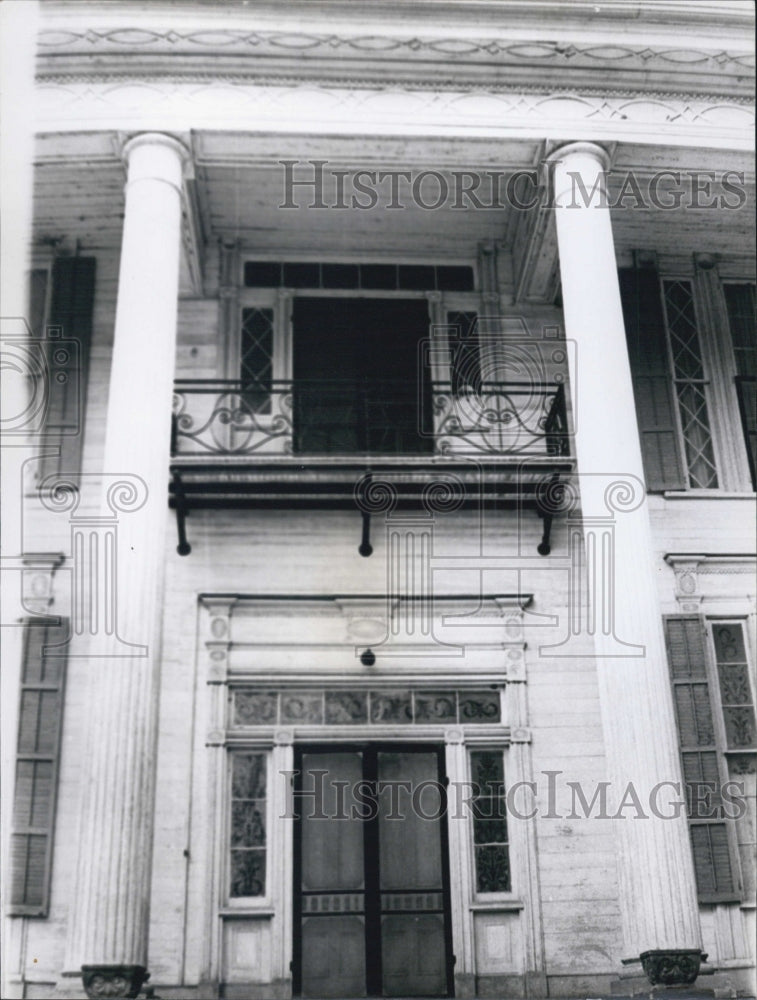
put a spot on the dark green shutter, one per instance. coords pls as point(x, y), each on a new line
point(36, 776)
point(700, 763)
point(652, 384)
point(68, 343)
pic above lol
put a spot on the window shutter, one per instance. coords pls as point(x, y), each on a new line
point(687, 661)
point(652, 384)
point(68, 357)
point(38, 747)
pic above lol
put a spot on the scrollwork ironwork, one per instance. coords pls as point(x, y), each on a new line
point(220, 418)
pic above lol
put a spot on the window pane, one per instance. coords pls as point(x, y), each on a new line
point(256, 359)
point(302, 275)
point(490, 821)
point(248, 776)
point(247, 873)
point(248, 824)
point(454, 279)
point(688, 372)
point(735, 690)
point(492, 869)
point(262, 274)
point(741, 316)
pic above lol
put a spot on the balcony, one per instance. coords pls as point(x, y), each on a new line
point(331, 443)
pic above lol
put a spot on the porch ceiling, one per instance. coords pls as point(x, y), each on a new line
point(238, 189)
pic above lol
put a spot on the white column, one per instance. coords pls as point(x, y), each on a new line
point(110, 909)
point(658, 896)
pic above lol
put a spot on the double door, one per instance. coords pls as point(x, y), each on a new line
point(371, 907)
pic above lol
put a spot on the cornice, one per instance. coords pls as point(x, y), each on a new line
point(137, 51)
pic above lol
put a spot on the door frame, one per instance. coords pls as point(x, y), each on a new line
point(371, 839)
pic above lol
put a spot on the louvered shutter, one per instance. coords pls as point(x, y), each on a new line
point(700, 763)
point(38, 744)
point(652, 384)
point(68, 356)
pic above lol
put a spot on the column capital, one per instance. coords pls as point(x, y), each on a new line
point(156, 155)
point(571, 149)
point(590, 163)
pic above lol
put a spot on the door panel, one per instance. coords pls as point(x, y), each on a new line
point(414, 958)
point(410, 847)
point(332, 848)
point(333, 956)
point(371, 885)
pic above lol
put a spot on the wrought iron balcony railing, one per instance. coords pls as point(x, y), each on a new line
point(384, 418)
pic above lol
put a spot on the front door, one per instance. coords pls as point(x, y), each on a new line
point(371, 905)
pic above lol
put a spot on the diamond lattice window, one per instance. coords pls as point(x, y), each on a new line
point(256, 359)
point(690, 385)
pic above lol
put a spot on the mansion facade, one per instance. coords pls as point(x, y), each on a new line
point(379, 610)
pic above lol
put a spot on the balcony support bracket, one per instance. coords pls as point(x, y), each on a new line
point(545, 545)
point(183, 548)
point(549, 501)
point(365, 548)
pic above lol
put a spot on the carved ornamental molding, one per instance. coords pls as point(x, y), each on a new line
point(528, 52)
point(444, 107)
point(699, 577)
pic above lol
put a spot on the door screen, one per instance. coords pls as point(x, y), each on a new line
point(371, 885)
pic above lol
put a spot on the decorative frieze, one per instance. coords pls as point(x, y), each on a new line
point(448, 51)
point(253, 708)
point(444, 106)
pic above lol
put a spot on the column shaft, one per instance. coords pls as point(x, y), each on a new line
point(110, 909)
point(658, 896)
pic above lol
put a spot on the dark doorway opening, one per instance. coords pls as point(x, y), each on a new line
point(360, 383)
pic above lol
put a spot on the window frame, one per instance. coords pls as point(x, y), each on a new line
point(280, 300)
point(247, 903)
point(706, 382)
point(746, 471)
point(501, 896)
point(706, 623)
